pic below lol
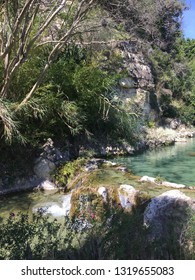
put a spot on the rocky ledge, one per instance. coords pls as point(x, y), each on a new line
point(164, 136)
point(158, 181)
point(150, 138)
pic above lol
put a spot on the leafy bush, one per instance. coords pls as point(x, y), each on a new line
point(118, 235)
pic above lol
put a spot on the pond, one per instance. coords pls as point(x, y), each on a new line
point(25, 201)
point(174, 163)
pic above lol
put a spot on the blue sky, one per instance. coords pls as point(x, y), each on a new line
point(189, 20)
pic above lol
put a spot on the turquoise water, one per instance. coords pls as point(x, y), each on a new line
point(175, 164)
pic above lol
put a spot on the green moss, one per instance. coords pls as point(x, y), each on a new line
point(159, 179)
point(67, 172)
point(87, 204)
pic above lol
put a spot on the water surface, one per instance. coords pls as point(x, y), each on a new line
point(175, 163)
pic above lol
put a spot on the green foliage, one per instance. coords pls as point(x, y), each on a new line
point(118, 235)
point(25, 238)
point(151, 124)
point(68, 171)
point(189, 109)
point(157, 23)
point(159, 179)
point(174, 81)
point(184, 84)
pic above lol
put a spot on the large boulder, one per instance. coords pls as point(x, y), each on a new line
point(167, 213)
point(43, 168)
point(48, 160)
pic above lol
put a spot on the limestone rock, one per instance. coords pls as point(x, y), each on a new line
point(43, 168)
point(138, 87)
point(137, 67)
point(148, 179)
point(173, 185)
point(127, 83)
point(53, 154)
point(166, 210)
point(127, 196)
point(49, 159)
point(46, 185)
point(164, 183)
point(104, 193)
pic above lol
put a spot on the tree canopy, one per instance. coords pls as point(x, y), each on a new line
point(47, 67)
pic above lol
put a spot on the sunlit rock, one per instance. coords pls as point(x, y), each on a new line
point(103, 192)
point(46, 185)
point(173, 185)
point(127, 196)
point(148, 179)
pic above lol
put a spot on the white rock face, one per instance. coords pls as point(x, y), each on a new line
point(127, 195)
point(104, 193)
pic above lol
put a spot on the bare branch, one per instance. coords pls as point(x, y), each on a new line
point(82, 9)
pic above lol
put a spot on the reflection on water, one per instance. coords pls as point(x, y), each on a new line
point(175, 163)
point(25, 202)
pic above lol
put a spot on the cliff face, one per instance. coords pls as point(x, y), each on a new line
point(137, 88)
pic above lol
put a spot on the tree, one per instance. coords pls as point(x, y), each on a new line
point(154, 21)
point(26, 25)
point(30, 26)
